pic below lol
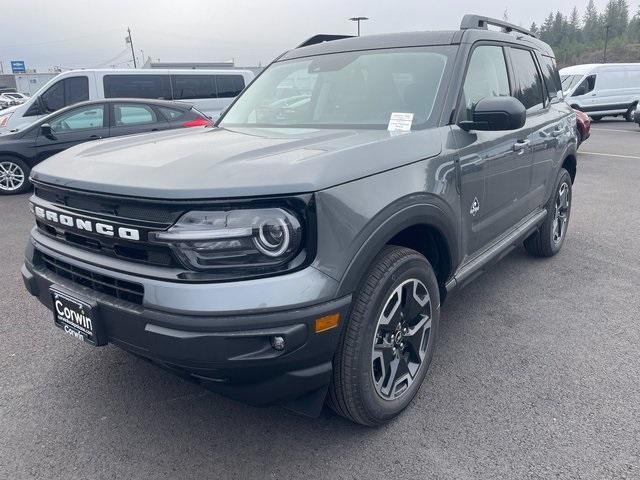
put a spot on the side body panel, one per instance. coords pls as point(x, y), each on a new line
point(356, 219)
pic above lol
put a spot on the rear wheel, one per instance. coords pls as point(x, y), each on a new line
point(628, 116)
point(596, 118)
point(388, 342)
point(14, 176)
point(548, 240)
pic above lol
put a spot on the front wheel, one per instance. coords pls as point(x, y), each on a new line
point(388, 342)
point(14, 176)
point(548, 240)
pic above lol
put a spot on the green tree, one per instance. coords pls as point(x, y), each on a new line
point(616, 17)
point(633, 29)
point(592, 30)
point(534, 29)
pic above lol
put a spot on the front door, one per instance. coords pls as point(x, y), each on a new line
point(81, 124)
point(495, 166)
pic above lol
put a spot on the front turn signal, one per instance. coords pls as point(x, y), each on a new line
point(327, 323)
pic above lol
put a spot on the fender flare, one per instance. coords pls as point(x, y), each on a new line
point(404, 213)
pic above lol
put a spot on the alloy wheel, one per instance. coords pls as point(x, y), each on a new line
point(401, 339)
point(561, 215)
point(11, 176)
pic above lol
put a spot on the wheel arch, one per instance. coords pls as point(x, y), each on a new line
point(427, 227)
point(570, 164)
point(11, 154)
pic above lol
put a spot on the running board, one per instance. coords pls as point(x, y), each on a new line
point(476, 266)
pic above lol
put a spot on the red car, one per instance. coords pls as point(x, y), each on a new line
point(583, 124)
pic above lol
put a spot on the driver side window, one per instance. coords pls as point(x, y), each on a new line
point(587, 85)
point(486, 77)
point(84, 118)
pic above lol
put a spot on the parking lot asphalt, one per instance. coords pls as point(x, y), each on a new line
point(536, 374)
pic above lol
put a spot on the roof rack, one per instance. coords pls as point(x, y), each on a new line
point(478, 22)
point(322, 38)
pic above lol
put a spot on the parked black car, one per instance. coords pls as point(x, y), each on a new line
point(21, 150)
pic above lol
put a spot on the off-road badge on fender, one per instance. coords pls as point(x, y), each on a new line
point(475, 207)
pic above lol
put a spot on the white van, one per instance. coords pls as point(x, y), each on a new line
point(210, 91)
point(608, 89)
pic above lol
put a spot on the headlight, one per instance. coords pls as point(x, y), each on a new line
point(253, 239)
point(4, 119)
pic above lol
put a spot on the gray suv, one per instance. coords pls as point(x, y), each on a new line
point(300, 250)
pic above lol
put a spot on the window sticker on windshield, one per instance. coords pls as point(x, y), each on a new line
point(400, 122)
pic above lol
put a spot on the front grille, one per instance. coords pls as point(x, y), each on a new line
point(140, 214)
point(121, 208)
point(120, 289)
point(137, 252)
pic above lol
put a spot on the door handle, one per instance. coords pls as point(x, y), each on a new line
point(520, 146)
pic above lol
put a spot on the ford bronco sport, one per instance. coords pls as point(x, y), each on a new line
point(299, 251)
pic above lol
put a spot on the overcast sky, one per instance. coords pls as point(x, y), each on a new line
point(89, 34)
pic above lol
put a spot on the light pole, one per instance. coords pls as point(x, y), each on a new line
point(129, 40)
point(606, 40)
point(358, 19)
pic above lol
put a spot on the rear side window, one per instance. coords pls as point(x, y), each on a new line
point(613, 80)
point(486, 77)
point(137, 86)
point(76, 89)
point(172, 113)
point(551, 76)
point(187, 87)
point(64, 93)
point(229, 86)
point(528, 85)
point(127, 114)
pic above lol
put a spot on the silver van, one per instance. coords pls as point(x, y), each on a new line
point(600, 90)
point(210, 91)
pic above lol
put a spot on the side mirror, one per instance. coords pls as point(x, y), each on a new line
point(496, 113)
point(46, 130)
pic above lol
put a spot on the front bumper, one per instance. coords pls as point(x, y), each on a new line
point(230, 353)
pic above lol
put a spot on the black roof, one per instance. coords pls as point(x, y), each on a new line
point(149, 101)
point(473, 28)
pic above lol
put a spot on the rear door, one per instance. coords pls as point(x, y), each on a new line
point(495, 166)
point(129, 118)
point(555, 132)
point(78, 125)
point(544, 124)
point(616, 88)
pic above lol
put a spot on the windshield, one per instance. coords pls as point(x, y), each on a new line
point(358, 89)
point(570, 81)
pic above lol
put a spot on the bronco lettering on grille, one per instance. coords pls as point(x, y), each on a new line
point(87, 225)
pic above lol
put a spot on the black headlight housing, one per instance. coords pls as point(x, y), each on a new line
point(237, 241)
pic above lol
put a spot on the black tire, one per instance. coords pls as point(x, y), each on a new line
point(353, 392)
point(628, 116)
point(547, 241)
point(14, 176)
point(596, 118)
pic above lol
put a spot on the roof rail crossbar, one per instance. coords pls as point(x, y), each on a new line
point(479, 22)
point(322, 38)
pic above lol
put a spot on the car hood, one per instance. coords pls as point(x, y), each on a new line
point(204, 163)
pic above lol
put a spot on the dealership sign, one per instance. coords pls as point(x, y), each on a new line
point(17, 66)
